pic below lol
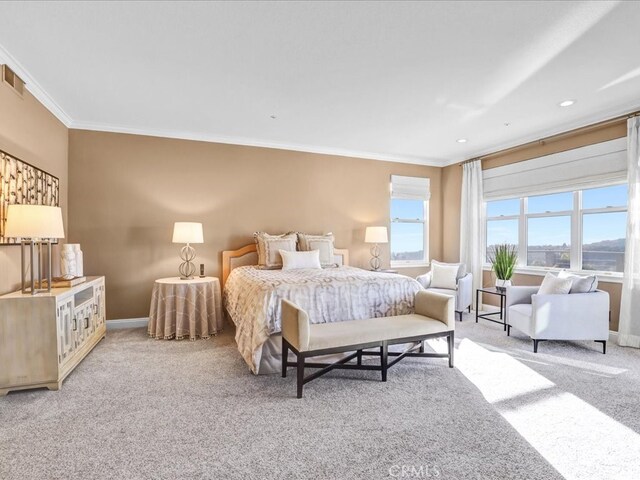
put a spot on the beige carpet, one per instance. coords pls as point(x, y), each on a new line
point(138, 408)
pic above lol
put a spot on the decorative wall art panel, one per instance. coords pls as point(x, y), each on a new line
point(22, 183)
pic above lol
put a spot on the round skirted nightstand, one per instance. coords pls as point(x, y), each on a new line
point(185, 308)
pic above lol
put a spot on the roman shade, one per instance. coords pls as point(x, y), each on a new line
point(410, 188)
point(592, 166)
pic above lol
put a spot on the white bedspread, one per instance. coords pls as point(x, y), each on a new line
point(252, 298)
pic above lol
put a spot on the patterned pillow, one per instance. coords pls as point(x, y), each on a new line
point(322, 243)
point(269, 246)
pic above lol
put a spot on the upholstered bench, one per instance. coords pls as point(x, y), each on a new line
point(433, 317)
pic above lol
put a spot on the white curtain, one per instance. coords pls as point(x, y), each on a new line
point(472, 224)
point(629, 327)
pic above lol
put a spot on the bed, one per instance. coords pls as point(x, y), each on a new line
point(252, 298)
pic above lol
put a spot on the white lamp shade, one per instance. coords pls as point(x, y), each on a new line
point(34, 221)
point(187, 232)
point(376, 235)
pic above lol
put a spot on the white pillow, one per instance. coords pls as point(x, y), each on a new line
point(444, 276)
point(580, 284)
point(462, 268)
point(552, 285)
point(296, 260)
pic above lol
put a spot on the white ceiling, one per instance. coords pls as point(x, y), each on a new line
point(387, 80)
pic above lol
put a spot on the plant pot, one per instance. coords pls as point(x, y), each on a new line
point(502, 284)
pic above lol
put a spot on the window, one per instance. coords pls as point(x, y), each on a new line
point(579, 230)
point(549, 241)
point(604, 227)
point(502, 223)
point(409, 219)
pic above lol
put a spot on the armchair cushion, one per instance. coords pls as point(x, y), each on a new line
point(444, 276)
point(520, 318)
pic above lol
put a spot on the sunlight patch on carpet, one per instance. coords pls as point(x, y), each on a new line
point(577, 439)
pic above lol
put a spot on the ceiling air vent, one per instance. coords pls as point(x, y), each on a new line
point(14, 81)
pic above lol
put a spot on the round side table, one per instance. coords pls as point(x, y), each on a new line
point(185, 308)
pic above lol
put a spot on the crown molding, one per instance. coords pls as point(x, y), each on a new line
point(43, 97)
point(601, 116)
point(34, 87)
point(212, 138)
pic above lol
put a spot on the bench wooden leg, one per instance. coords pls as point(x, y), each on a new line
point(451, 345)
point(285, 357)
point(300, 382)
point(384, 352)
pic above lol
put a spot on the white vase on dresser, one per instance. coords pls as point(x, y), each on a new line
point(44, 337)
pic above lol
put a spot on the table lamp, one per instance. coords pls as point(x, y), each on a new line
point(375, 235)
point(187, 232)
point(35, 226)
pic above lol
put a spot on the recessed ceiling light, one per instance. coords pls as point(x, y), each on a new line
point(462, 140)
point(567, 103)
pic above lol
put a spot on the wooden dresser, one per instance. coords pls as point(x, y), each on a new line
point(44, 337)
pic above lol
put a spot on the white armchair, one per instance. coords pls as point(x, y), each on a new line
point(463, 292)
point(575, 316)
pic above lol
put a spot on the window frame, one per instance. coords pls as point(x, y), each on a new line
point(410, 263)
point(576, 215)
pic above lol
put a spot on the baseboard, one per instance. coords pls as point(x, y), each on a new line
point(127, 323)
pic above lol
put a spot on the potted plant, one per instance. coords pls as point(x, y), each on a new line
point(503, 259)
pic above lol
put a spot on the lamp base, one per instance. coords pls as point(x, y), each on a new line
point(375, 258)
point(187, 268)
point(37, 262)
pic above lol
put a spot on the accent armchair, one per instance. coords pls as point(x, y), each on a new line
point(463, 292)
point(574, 316)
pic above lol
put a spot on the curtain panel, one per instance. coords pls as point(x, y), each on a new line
point(629, 326)
point(472, 222)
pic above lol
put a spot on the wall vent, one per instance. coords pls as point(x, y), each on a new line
point(14, 81)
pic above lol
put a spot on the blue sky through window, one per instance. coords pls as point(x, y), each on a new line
point(556, 202)
point(407, 237)
point(552, 230)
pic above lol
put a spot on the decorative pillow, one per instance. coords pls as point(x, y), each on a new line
point(586, 284)
point(296, 260)
point(322, 243)
point(444, 275)
point(552, 285)
point(268, 247)
point(462, 268)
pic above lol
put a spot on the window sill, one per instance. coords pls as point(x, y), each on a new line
point(409, 265)
point(606, 277)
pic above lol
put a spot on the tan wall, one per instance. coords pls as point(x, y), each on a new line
point(31, 133)
point(127, 190)
point(451, 209)
point(451, 189)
